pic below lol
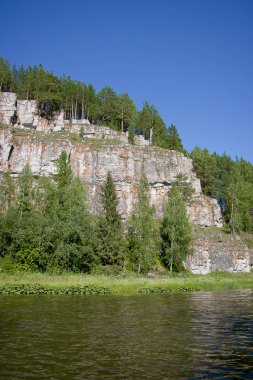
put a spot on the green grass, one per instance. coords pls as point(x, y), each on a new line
point(123, 285)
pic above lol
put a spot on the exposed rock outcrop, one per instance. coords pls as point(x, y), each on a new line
point(7, 106)
point(39, 142)
point(214, 250)
point(92, 160)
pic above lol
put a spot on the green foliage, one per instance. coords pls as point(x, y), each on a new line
point(109, 242)
point(64, 173)
point(153, 128)
point(5, 75)
point(143, 231)
point(55, 290)
point(126, 110)
point(175, 232)
point(7, 189)
point(108, 106)
point(205, 166)
point(231, 183)
point(239, 202)
point(29, 259)
point(174, 141)
point(48, 226)
point(25, 194)
point(184, 187)
point(80, 101)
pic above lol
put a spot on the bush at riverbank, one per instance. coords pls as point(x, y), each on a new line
point(37, 283)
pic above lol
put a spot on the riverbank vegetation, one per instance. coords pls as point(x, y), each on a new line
point(124, 284)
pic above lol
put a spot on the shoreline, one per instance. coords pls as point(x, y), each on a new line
point(84, 284)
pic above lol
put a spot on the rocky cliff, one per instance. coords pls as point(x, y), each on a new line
point(214, 250)
point(92, 159)
point(28, 138)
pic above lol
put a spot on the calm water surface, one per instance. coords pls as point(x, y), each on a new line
point(174, 336)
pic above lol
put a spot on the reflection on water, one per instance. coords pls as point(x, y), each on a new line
point(172, 336)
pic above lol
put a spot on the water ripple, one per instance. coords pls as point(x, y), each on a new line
point(170, 336)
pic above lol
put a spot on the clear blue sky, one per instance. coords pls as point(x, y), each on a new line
point(193, 59)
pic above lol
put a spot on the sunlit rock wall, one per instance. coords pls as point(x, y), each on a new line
point(213, 250)
point(92, 161)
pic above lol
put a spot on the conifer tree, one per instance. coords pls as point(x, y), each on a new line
point(110, 244)
point(126, 110)
point(175, 232)
point(205, 165)
point(5, 75)
point(143, 231)
point(174, 141)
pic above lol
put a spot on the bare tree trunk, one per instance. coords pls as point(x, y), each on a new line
point(171, 250)
point(82, 116)
point(76, 110)
point(150, 135)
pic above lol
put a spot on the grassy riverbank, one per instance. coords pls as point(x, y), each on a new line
point(36, 283)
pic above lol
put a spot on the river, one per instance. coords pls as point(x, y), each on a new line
point(172, 336)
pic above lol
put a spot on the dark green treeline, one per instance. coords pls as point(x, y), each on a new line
point(231, 183)
point(80, 100)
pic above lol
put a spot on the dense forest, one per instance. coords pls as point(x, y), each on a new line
point(46, 225)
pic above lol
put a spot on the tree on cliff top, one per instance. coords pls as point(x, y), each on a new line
point(205, 165)
point(174, 141)
point(5, 75)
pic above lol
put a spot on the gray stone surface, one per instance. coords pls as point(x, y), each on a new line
point(27, 113)
point(216, 251)
point(94, 131)
point(91, 162)
point(7, 106)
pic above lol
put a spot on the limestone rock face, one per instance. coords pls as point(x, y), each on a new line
point(27, 111)
point(140, 141)
point(215, 251)
point(205, 211)
point(94, 131)
point(92, 161)
point(7, 106)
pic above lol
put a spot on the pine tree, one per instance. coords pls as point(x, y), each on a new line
point(174, 141)
point(143, 231)
point(175, 232)
point(110, 244)
point(127, 110)
point(5, 75)
point(205, 165)
point(108, 106)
